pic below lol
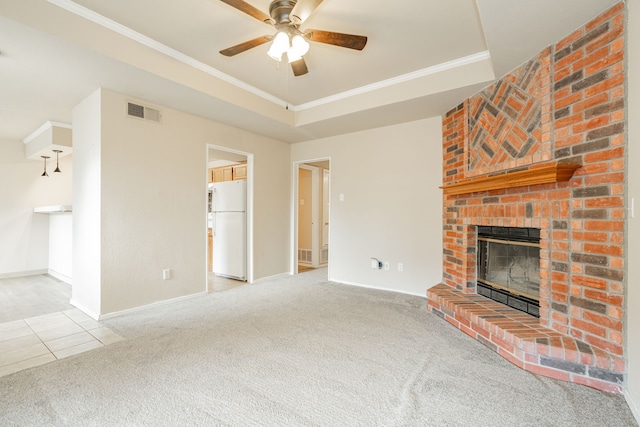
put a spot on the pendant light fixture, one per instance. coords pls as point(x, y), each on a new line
point(45, 166)
point(57, 154)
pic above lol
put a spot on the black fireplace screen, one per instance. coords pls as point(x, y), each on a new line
point(509, 266)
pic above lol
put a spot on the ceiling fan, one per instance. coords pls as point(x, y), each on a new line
point(287, 16)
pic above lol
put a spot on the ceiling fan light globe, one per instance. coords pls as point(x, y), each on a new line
point(275, 55)
point(299, 45)
point(279, 46)
point(292, 57)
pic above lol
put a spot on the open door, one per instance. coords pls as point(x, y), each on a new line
point(324, 248)
point(311, 241)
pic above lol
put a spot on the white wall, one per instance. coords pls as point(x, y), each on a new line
point(392, 204)
point(86, 289)
point(61, 246)
point(152, 189)
point(24, 236)
point(633, 237)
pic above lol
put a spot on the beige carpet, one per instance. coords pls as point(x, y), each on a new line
point(295, 352)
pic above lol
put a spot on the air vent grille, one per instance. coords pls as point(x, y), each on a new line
point(304, 255)
point(142, 112)
point(324, 254)
point(135, 110)
point(151, 114)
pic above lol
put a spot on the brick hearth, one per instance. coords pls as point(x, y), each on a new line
point(519, 338)
point(565, 106)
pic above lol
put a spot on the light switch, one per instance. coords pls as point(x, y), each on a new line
point(342, 197)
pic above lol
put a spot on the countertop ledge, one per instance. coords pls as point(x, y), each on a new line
point(52, 209)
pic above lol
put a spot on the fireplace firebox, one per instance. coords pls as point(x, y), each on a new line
point(509, 267)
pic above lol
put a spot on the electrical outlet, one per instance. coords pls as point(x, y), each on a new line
point(386, 265)
point(374, 263)
point(400, 267)
point(166, 274)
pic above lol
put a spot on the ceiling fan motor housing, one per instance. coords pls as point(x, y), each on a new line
point(280, 11)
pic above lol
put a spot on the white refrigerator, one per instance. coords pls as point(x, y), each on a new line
point(230, 229)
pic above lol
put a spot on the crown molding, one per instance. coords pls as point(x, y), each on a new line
point(445, 66)
point(125, 31)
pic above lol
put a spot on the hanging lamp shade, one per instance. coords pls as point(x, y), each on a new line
point(57, 169)
point(44, 173)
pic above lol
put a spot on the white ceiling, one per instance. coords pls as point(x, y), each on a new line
point(422, 58)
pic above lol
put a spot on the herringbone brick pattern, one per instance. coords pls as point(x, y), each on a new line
point(505, 119)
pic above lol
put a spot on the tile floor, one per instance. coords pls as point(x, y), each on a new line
point(217, 283)
point(304, 268)
point(34, 341)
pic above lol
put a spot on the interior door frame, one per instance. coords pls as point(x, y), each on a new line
point(249, 214)
point(326, 185)
point(315, 220)
point(297, 165)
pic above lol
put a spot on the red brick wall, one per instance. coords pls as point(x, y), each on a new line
point(565, 105)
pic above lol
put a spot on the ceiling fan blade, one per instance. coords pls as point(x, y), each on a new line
point(303, 9)
point(239, 48)
point(248, 9)
point(350, 41)
point(299, 67)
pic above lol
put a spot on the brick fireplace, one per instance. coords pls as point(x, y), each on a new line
point(544, 148)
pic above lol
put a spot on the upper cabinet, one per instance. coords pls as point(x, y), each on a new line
point(228, 173)
point(240, 171)
point(223, 174)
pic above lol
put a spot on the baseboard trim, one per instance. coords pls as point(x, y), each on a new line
point(153, 304)
point(379, 288)
point(85, 310)
point(632, 405)
point(63, 278)
point(23, 273)
point(274, 277)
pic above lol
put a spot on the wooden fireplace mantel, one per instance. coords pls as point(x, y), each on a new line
point(538, 174)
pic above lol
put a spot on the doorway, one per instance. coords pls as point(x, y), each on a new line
point(311, 215)
point(229, 229)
